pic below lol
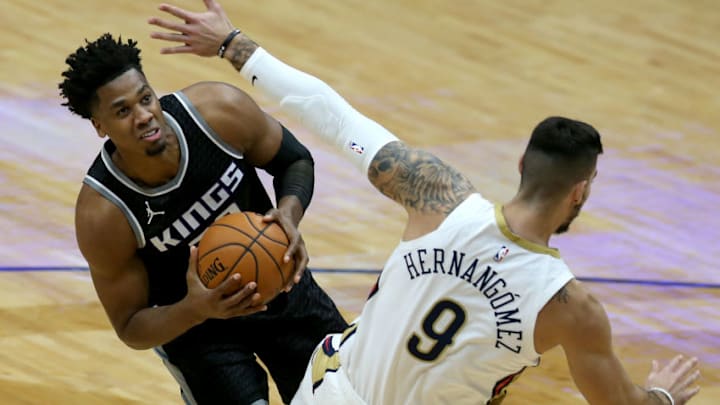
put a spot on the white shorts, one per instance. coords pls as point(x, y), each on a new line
point(325, 381)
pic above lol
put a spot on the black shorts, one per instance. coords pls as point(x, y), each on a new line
point(217, 358)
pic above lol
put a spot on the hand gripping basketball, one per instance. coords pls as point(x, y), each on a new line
point(242, 243)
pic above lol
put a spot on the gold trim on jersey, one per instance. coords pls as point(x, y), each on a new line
point(323, 363)
point(349, 331)
point(326, 359)
point(526, 244)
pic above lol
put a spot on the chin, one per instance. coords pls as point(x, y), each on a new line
point(563, 228)
point(156, 148)
point(566, 226)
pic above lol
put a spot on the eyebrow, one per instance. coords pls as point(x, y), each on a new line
point(121, 101)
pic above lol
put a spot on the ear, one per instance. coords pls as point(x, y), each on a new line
point(520, 163)
point(578, 192)
point(98, 128)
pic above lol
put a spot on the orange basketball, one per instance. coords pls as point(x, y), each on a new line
point(242, 243)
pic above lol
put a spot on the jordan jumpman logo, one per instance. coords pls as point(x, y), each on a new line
point(150, 213)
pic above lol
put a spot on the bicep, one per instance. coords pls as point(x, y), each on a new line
point(108, 244)
point(264, 139)
point(122, 290)
point(238, 120)
point(595, 368)
point(417, 179)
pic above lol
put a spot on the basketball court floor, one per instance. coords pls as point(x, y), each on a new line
point(465, 79)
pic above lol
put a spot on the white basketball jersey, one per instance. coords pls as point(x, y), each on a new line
point(452, 320)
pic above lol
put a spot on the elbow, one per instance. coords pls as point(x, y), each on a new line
point(137, 346)
point(133, 343)
point(131, 338)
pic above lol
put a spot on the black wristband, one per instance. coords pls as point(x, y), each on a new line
point(299, 181)
point(226, 42)
point(292, 169)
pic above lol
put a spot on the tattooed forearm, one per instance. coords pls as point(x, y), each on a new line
point(240, 50)
point(562, 295)
point(418, 180)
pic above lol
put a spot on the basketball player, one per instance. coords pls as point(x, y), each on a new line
point(170, 167)
point(473, 294)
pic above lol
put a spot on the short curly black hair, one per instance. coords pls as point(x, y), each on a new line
point(93, 66)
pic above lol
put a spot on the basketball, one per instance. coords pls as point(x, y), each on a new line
point(242, 243)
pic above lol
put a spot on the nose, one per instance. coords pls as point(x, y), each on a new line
point(143, 116)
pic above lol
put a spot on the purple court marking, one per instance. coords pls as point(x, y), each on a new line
point(660, 283)
point(644, 222)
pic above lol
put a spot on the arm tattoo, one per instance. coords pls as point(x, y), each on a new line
point(418, 180)
point(240, 51)
point(562, 295)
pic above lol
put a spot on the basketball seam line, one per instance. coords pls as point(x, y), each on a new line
point(253, 240)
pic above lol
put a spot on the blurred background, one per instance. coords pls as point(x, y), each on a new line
point(468, 80)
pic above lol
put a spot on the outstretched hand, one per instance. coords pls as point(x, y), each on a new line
point(200, 33)
point(678, 377)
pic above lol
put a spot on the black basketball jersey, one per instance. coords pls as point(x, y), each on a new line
point(212, 180)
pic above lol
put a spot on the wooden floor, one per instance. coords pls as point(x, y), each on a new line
point(465, 79)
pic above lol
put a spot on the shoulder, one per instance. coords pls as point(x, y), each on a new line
point(229, 111)
point(98, 224)
point(570, 318)
point(211, 97)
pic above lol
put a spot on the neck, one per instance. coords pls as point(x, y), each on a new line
point(150, 171)
point(532, 221)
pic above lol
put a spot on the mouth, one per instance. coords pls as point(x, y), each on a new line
point(151, 135)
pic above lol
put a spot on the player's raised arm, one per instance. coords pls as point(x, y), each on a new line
point(416, 179)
